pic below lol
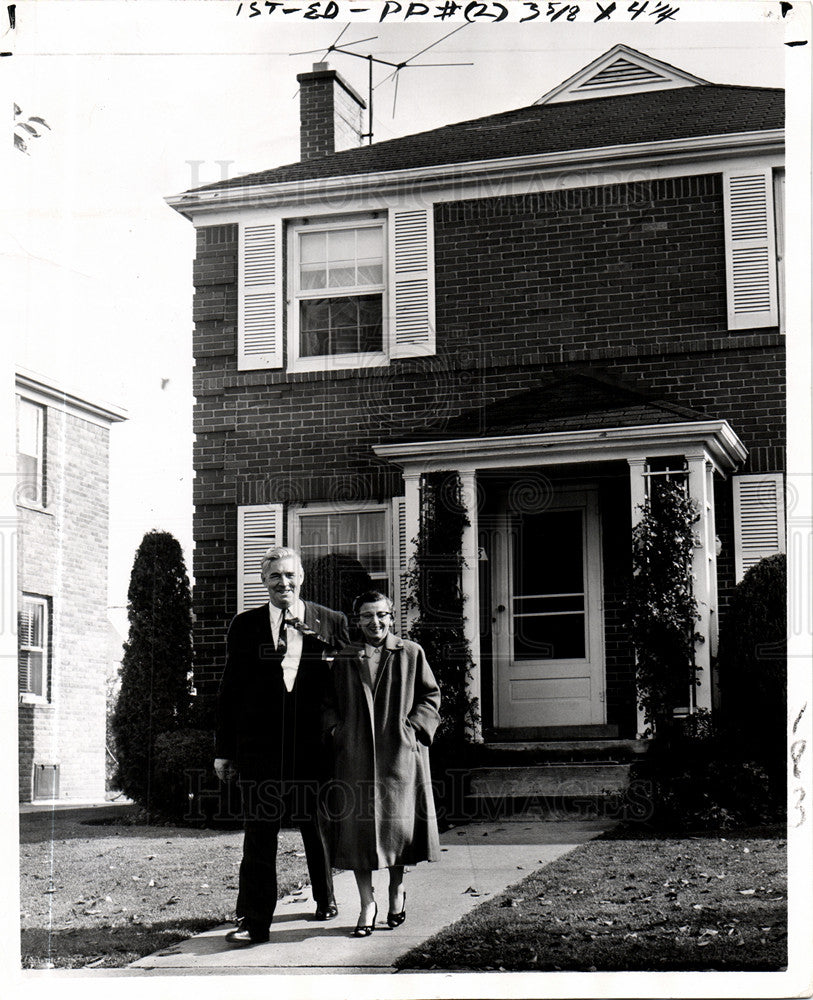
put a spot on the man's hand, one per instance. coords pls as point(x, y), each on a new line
point(224, 769)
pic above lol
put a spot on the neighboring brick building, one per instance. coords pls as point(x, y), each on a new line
point(558, 302)
point(62, 544)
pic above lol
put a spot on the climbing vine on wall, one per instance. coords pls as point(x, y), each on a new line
point(661, 610)
point(436, 592)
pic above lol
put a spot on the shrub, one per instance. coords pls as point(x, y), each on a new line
point(157, 662)
point(753, 667)
point(183, 779)
point(334, 581)
point(700, 781)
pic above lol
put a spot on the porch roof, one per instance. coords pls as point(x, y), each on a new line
point(576, 400)
point(575, 417)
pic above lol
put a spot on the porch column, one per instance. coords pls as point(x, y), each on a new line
point(704, 571)
point(412, 527)
point(470, 583)
point(637, 499)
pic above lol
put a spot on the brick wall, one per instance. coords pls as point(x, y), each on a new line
point(63, 555)
point(630, 279)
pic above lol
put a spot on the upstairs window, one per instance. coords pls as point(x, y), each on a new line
point(32, 648)
point(331, 292)
point(339, 292)
point(30, 453)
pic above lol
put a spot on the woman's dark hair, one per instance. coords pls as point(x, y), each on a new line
point(371, 597)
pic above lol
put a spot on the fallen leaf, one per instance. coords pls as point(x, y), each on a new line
point(151, 882)
point(746, 892)
point(697, 906)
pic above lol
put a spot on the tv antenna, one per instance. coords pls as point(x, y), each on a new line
point(371, 59)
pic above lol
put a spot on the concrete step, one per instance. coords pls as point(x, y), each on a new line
point(560, 781)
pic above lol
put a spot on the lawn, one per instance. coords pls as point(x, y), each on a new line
point(102, 896)
point(632, 901)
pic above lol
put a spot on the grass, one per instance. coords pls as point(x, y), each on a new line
point(632, 901)
point(102, 896)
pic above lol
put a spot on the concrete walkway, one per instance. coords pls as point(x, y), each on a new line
point(478, 861)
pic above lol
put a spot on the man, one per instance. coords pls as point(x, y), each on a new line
point(269, 735)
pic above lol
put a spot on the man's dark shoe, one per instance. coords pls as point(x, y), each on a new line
point(248, 932)
point(327, 912)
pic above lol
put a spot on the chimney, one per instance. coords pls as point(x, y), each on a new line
point(329, 113)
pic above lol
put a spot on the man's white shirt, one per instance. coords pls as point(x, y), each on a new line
point(293, 639)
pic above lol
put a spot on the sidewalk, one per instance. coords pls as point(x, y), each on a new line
point(481, 858)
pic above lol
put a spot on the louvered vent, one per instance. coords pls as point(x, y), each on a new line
point(622, 73)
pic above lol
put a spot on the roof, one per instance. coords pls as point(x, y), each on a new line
point(573, 401)
point(626, 119)
point(47, 390)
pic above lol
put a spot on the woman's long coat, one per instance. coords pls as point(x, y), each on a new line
point(381, 798)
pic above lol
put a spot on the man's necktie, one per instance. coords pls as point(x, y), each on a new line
point(282, 641)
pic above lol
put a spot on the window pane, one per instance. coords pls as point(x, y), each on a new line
point(312, 248)
point(313, 276)
point(342, 275)
point(370, 242)
point(370, 273)
point(37, 625)
point(344, 528)
point(313, 529)
point(371, 526)
point(549, 556)
point(553, 637)
point(372, 557)
point(36, 674)
point(29, 428)
point(341, 244)
point(344, 325)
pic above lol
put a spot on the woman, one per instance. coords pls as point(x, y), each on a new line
point(382, 716)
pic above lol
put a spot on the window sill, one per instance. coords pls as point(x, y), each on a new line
point(337, 362)
point(27, 505)
point(27, 698)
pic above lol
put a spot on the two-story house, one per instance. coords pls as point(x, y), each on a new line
point(62, 627)
point(559, 303)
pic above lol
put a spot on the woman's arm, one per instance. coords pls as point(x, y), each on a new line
point(425, 716)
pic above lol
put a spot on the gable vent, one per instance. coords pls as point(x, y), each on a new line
point(622, 73)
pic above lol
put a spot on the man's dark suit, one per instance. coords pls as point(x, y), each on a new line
point(273, 738)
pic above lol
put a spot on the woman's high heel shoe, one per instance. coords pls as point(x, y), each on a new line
point(396, 919)
point(365, 930)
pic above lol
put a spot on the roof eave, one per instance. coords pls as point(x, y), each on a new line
point(421, 179)
point(715, 440)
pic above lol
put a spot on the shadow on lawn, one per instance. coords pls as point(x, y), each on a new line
point(42, 827)
point(639, 831)
point(115, 946)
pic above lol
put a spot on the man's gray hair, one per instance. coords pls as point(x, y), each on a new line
point(274, 554)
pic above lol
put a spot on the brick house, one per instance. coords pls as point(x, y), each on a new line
point(62, 634)
point(558, 302)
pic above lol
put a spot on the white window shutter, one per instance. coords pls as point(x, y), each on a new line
point(399, 563)
point(258, 528)
point(411, 283)
point(259, 337)
point(750, 249)
point(759, 520)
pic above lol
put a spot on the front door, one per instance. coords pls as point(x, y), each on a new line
point(547, 620)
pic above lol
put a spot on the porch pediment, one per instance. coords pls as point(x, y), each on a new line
point(577, 417)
